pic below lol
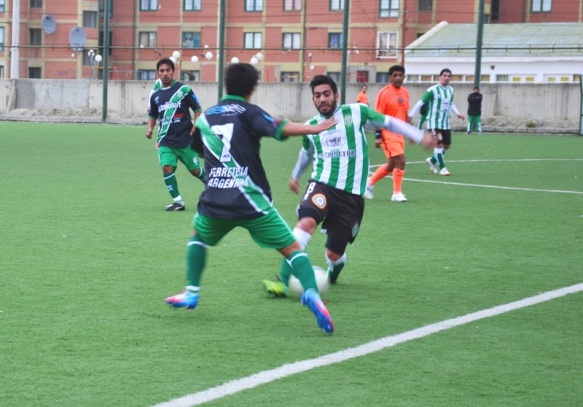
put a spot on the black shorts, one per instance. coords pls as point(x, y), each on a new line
point(444, 136)
point(339, 212)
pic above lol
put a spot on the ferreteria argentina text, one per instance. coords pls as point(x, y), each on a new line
point(232, 177)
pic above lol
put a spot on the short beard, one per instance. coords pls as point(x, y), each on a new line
point(332, 109)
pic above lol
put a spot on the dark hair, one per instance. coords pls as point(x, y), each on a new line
point(165, 61)
point(396, 68)
point(323, 80)
point(444, 70)
point(241, 79)
point(475, 87)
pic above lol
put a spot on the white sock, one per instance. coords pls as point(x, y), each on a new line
point(302, 237)
point(331, 263)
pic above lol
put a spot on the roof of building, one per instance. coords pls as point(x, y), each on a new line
point(500, 40)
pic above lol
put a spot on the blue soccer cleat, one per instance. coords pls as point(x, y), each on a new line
point(312, 300)
point(186, 299)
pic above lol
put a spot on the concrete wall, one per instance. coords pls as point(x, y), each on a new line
point(129, 99)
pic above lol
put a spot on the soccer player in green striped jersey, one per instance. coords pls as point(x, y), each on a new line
point(170, 104)
point(439, 100)
point(339, 158)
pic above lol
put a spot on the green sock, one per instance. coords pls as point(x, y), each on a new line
point(195, 260)
point(171, 184)
point(285, 272)
point(303, 270)
point(441, 160)
point(334, 272)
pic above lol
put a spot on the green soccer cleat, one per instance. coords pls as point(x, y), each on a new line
point(275, 288)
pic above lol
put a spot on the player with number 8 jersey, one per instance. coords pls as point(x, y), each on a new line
point(339, 158)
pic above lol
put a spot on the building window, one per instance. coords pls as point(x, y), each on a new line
point(539, 6)
point(190, 76)
point(191, 40)
point(253, 40)
point(334, 40)
point(362, 76)
point(101, 42)
point(2, 39)
point(192, 5)
point(102, 8)
point(290, 77)
point(90, 19)
point(148, 39)
point(425, 5)
point(335, 76)
point(291, 40)
point(2, 6)
point(36, 3)
point(253, 5)
point(558, 78)
point(386, 45)
point(292, 5)
point(34, 73)
point(148, 5)
point(35, 37)
point(336, 5)
point(146, 75)
point(2, 72)
point(389, 8)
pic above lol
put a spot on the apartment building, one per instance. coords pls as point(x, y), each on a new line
point(287, 40)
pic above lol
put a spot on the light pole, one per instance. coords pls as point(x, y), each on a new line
point(174, 58)
point(194, 60)
point(208, 56)
point(94, 59)
point(256, 59)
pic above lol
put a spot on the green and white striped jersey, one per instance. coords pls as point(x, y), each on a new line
point(439, 100)
point(340, 154)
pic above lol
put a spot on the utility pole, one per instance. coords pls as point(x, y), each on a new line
point(15, 50)
point(344, 72)
point(221, 50)
point(478, 71)
point(105, 59)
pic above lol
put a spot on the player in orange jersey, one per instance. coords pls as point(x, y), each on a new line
point(362, 97)
point(392, 100)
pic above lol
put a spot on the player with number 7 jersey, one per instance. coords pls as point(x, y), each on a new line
point(237, 192)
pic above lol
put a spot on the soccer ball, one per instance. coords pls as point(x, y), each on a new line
point(296, 289)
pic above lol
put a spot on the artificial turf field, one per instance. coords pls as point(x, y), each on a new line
point(88, 254)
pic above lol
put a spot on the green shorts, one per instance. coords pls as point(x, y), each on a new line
point(269, 231)
point(186, 155)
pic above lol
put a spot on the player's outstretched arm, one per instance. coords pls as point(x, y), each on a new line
point(419, 136)
point(297, 129)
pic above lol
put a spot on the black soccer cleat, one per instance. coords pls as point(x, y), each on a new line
point(176, 207)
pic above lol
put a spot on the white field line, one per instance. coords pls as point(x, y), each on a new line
point(493, 186)
point(268, 376)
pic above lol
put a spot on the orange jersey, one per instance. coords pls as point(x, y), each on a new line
point(362, 97)
point(393, 102)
